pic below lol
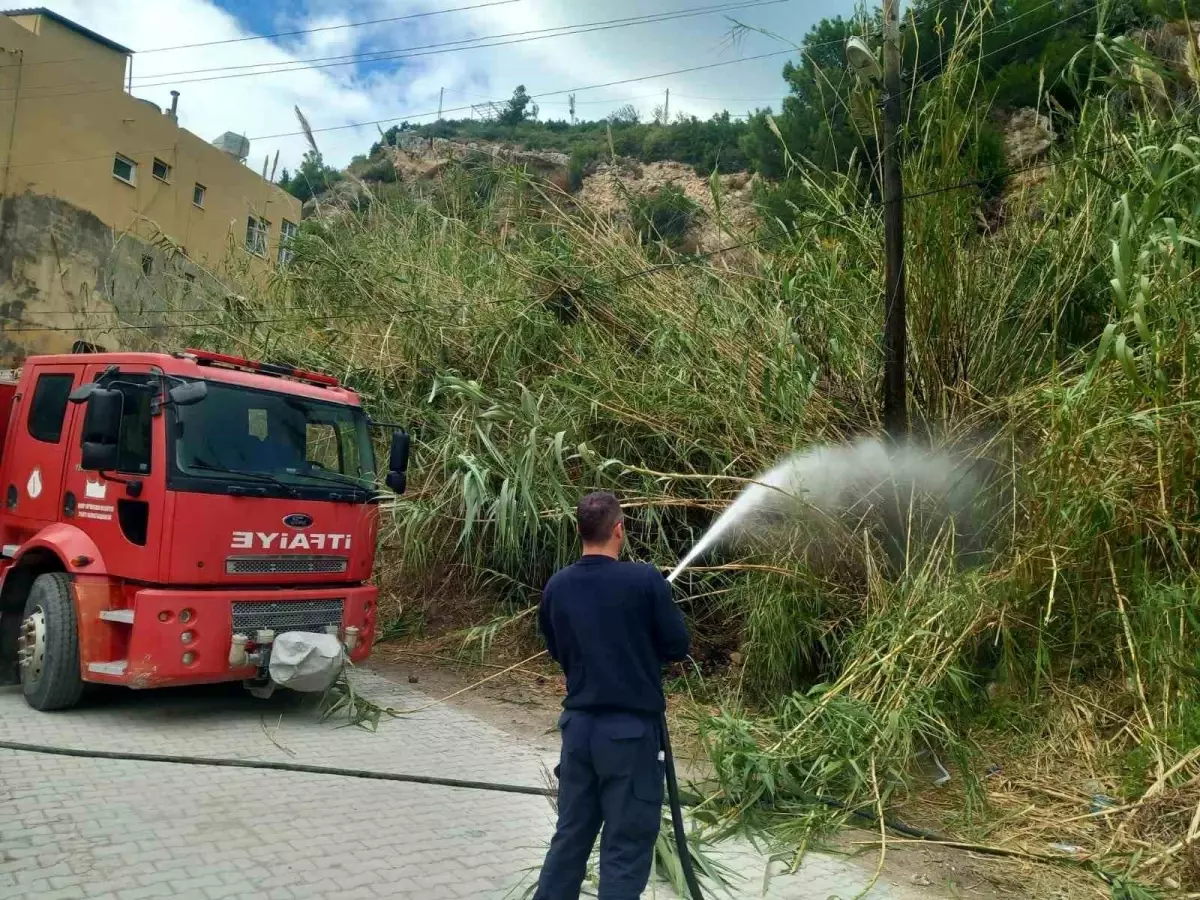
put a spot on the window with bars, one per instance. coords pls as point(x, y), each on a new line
point(257, 231)
point(287, 232)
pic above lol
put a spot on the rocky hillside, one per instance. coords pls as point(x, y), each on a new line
point(610, 187)
point(606, 187)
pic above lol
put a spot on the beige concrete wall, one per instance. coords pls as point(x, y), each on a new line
point(67, 276)
point(74, 239)
point(64, 116)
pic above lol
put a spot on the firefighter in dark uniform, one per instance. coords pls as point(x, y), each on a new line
point(611, 625)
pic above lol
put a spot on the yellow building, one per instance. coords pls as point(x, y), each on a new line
point(112, 174)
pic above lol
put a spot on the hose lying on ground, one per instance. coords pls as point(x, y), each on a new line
point(672, 784)
point(501, 787)
point(280, 767)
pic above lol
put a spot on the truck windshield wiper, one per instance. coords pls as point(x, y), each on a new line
point(346, 481)
point(262, 476)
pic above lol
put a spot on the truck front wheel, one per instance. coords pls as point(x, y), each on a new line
point(48, 645)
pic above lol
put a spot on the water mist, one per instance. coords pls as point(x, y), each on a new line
point(831, 481)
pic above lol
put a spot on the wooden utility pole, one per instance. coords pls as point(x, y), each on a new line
point(895, 406)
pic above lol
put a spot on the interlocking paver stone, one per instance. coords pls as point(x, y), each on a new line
point(105, 829)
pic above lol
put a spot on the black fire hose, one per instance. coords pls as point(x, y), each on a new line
point(681, 843)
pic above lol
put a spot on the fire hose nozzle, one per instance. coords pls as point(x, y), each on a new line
point(351, 640)
point(237, 651)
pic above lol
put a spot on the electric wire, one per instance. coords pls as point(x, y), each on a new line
point(318, 63)
point(381, 55)
point(806, 50)
point(264, 37)
point(417, 115)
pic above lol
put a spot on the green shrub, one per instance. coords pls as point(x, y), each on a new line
point(379, 170)
point(576, 169)
point(663, 216)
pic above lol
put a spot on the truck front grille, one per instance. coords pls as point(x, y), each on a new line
point(286, 615)
point(285, 565)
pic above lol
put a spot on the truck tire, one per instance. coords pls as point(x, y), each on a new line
point(49, 644)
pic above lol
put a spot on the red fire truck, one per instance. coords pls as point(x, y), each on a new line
point(164, 517)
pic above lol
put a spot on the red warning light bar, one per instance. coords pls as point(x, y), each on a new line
point(208, 357)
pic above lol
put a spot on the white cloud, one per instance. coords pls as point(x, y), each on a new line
point(262, 105)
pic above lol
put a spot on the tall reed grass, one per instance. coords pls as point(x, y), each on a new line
point(1056, 335)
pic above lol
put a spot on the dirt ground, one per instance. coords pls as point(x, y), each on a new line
point(525, 703)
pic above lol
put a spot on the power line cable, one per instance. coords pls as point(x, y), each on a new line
point(378, 122)
point(515, 37)
point(558, 93)
point(474, 43)
point(370, 55)
point(729, 99)
point(418, 115)
point(485, 100)
point(127, 326)
point(804, 50)
point(277, 34)
point(264, 37)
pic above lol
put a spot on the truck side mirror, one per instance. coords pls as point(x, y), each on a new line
point(81, 393)
point(99, 446)
point(188, 393)
point(397, 476)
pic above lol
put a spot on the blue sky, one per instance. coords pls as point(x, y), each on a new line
point(331, 96)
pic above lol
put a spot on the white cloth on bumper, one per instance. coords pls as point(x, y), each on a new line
point(305, 661)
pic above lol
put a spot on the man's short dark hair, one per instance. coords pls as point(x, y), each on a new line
point(597, 513)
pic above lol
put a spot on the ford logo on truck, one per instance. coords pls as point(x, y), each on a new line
point(297, 520)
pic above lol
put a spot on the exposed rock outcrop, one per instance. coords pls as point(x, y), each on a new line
point(1027, 137)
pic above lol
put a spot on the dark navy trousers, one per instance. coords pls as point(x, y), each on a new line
point(609, 775)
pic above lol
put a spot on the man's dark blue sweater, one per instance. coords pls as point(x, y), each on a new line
point(611, 625)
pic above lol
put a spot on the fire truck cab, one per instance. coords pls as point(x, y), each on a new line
point(165, 517)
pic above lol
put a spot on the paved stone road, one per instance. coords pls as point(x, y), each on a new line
point(119, 830)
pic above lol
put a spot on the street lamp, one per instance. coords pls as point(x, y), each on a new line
point(863, 61)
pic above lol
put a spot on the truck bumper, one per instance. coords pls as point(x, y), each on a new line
point(154, 637)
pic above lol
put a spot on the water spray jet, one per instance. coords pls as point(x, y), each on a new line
point(833, 480)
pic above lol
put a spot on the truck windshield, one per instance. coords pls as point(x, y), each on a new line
point(273, 440)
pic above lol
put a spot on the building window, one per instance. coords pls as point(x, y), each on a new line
point(161, 171)
point(257, 230)
point(49, 407)
point(124, 169)
point(198, 193)
point(287, 231)
point(147, 265)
